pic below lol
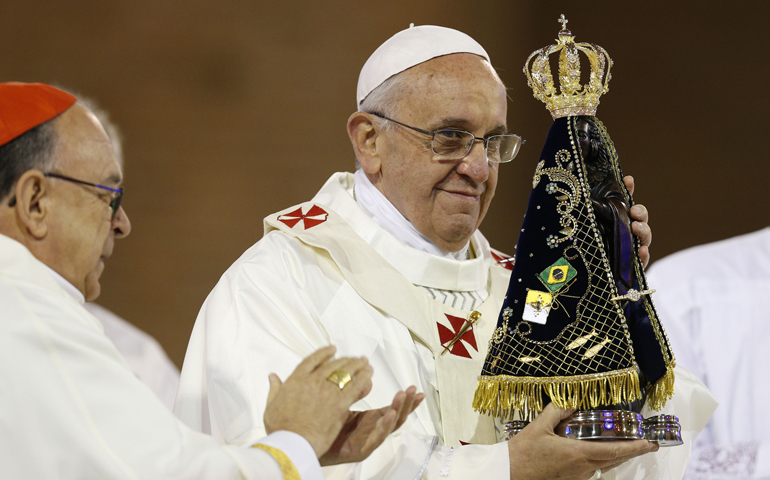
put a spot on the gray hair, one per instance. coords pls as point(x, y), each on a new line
point(32, 149)
point(113, 132)
point(384, 100)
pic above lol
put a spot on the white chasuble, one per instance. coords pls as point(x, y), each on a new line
point(326, 273)
point(433, 324)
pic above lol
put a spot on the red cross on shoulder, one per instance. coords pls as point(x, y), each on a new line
point(314, 216)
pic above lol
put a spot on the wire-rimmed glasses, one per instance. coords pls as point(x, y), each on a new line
point(455, 144)
point(116, 199)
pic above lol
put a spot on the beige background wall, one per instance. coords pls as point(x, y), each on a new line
point(232, 110)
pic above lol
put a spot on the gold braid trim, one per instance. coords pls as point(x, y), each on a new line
point(288, 469)
point(663, 389)
point(503, 395)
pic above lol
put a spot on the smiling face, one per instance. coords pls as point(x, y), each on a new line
point(446, 200)
point(82, 231)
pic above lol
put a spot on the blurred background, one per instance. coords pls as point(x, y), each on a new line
point(232, 110)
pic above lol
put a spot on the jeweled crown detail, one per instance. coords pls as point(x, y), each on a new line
point(572, 98)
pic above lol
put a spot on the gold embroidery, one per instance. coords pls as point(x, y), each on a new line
point(580, 341)
point(288, 469)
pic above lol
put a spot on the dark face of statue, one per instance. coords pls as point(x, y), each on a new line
point(593, 151)
point(584, 137)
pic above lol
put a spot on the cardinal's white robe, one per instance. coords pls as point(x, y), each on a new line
point(70, 407)
point(144, 355)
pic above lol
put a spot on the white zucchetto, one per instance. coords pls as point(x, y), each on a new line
point(411, 47)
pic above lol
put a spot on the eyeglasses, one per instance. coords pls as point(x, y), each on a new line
point(455, 144)
point(117, 192)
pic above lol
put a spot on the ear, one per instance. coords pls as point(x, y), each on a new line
point(364, 135)
point(32, 203)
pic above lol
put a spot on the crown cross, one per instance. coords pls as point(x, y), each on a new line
point(563, 20)
point(572, 98)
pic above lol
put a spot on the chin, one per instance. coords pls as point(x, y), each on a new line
point(92, 289)
point(457, 237)
point(93, 293)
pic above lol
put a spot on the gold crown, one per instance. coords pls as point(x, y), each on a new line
point(574, 98)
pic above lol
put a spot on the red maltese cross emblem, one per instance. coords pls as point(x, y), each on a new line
point(315, 216)
point(454, 340)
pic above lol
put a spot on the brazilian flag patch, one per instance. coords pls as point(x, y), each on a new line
point(559, 274)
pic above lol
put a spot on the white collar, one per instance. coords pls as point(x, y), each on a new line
point(65, 285)
point(419, 267)
point(373, 202)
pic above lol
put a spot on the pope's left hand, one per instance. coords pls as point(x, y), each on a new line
point(639, 226)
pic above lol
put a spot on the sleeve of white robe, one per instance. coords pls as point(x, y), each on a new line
point(70, 408)
point(270, 310)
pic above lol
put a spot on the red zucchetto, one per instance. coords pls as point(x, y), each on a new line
point(24, 106)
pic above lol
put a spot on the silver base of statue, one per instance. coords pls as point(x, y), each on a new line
point(613, 425)
point(605, 425)
point(511, 429)
point(663, 429)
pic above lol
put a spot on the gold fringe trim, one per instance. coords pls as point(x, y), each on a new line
point(662, 391)
point(502, 395)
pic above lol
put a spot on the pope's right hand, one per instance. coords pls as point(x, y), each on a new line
point(538, 453)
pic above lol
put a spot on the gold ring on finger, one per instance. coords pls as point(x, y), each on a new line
point(340, 378)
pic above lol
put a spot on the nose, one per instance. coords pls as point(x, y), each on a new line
point(475, 165)
point(121, 225)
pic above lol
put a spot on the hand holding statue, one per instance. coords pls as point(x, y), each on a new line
point(315, 406)
point(538, 453)
point(639, 225)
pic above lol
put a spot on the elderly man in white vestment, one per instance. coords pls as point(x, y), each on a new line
point(389, 263)
point(716, 300)
point(70, 407)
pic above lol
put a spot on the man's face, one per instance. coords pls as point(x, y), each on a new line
point(445, 200)
point(82, 230)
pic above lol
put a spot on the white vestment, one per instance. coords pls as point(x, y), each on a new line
point(70, 408)
point(715, 303)
point(142, 352)
point(327, 273)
